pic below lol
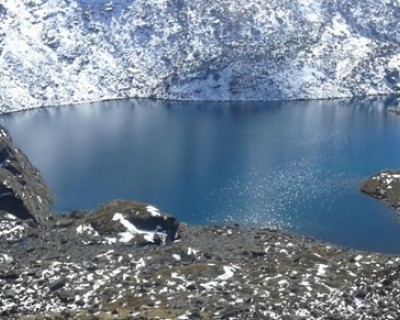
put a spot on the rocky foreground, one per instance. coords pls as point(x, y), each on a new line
point(60, 272)
point(127, 260)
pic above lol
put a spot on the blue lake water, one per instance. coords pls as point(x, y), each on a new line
point(296, 166)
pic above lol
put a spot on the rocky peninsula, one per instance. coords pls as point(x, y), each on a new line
point(386, 186)
point(127, 260)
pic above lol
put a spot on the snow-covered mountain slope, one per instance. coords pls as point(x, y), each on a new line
point(66, 51)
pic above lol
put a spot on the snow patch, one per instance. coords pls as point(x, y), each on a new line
point(229, 272)
point(131, 231)
point(10, 216)
point(153, 211)
point(321, 270)
point(5, 258)
point(177, 257)
point(86, 228)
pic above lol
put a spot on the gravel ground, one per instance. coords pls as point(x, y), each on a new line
point(208, 272)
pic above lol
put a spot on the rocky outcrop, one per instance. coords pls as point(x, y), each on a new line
point(64, 51)
point(386, 186)
point(23, 192)
point(129, 222)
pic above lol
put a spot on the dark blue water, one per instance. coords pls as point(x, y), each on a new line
point(291, 165)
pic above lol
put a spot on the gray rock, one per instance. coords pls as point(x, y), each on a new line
point(104, 221)
point(23, 192)
point(335, 316)
point(384, 185)
point(65, 296)
point(58, 284)
point(361, 293)
point(9, 294)
point(9, 274)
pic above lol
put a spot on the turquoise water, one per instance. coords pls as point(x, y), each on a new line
point(296, 166)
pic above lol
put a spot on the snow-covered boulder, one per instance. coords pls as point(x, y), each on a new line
point(129, 222)
point(65, 51)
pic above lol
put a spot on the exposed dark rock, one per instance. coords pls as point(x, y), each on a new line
point(9, 274)
point(58, 284)
point(23, 191)
point(121, 216)
point(361, 293)
point(78, 214)
point(256, 254)
point(66, 296)
point(9, 294)
point(386, 186)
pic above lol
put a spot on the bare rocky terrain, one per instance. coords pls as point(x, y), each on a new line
point(208, 273)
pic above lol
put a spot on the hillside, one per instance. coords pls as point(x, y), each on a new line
point(67, 51)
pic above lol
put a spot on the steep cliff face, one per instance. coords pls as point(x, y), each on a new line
point(65, 51)
point(23, 192)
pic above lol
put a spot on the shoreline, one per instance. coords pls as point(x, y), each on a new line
point(63, 104)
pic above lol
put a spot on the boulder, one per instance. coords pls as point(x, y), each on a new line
point(23, 191)
point(386, 186)
point(12, 229)
point(129, 221)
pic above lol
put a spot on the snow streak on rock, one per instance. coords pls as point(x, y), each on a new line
point(66, 51)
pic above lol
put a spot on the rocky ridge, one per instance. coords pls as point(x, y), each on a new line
point(56, 52)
